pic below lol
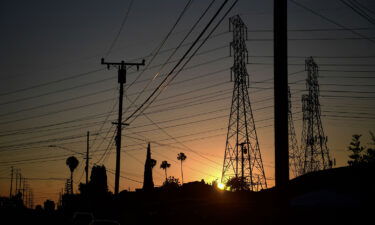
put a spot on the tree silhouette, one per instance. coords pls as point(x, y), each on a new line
point(182, 157)
point(49, 205)
point(165, 165)
point(356, 149)
point(237, 184)
point(148, 183)
point(171, 183)
point(98, 179)
point(98, 182)
point(369, 157)
point(72, 163)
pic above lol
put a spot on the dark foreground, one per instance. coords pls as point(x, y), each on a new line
point(337, 196)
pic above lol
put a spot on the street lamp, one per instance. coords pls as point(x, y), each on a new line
point(85, 156)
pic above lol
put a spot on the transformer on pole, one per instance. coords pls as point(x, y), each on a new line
point(314, 142)
point(242, 157)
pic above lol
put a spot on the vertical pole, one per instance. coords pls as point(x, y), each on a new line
point(71, 183)
point(23, 190)
point(242, 161)
point(25, 201)
point(30, 205)
point(281, 93)
point(11, 183)
point(16, 175)
point(122, 72)
point(238, 118)
point(87, 157)
point(19, 181)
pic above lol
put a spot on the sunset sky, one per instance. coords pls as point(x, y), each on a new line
point(53, 88)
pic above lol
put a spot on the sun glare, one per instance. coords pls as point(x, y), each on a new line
point(221, 186)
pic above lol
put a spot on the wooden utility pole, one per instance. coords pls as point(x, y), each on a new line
point(11, 183)
point(23, 189)
point(17, 175)
point(87, 157)
point(121, 66)
point(281, 93)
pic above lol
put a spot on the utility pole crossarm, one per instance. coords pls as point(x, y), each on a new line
point(67, 149)
point(122, 63)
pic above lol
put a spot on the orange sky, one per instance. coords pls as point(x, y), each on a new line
point(58, 42)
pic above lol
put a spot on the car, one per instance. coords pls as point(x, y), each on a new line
point(82, 218)
point(104, 222)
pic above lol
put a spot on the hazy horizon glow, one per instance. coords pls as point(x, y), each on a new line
point(51, 41)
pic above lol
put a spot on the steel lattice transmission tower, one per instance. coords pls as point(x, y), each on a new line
point(242, 157)
point(314, 142)
point(295, 153)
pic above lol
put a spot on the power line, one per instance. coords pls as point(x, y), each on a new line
point(312, 30)
point(346, 96)
point(359, 11)
point(52, 82)
point(94, 71)
point(363, 7)
point(58, 102)
point(180, 61)
point(271, 118)
point(86, 105)
point(110, 78)
point(121, 27)
point(348, 71)
point(106, 114)
point(322, 64)
point(66, 138)
point(349, 117)
point(299, 4)
point(314, 39)
point(58, 111)
point(320, 56)
point(173, 53)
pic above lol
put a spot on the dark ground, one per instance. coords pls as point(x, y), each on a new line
point(337, 196)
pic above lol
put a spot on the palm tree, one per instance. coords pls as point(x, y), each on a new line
point(182, 157)
point(72, 162)
point(165, 165)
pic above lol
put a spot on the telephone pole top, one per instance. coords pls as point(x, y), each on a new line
point(122, 67)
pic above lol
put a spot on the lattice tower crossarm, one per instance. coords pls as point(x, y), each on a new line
point(242, 157)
